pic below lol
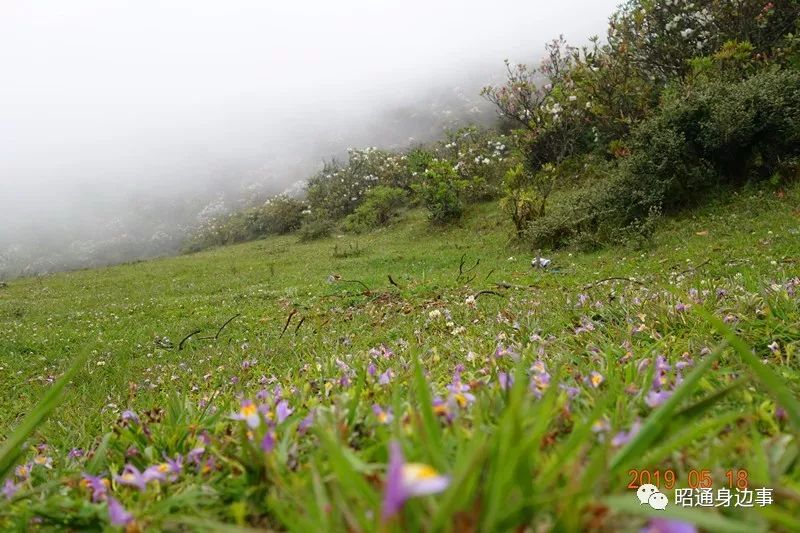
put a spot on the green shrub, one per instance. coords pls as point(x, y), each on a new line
point(706, 135)
point(316, 226)
point(279, 215)
point(440, 191)
point(380, 205)
point(710, 134)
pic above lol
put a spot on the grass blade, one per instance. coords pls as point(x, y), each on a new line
point(431, 429)
point(771, 381)
point(12, 447)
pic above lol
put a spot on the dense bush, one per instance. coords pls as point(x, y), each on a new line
point(713, 133)
point(662, 37)
point(380, 205)
point(682, 97)
point(441, 191)
point(316, 226)
point(707, 134)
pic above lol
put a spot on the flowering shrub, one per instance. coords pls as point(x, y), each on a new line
point(480, 157)
point(380, 205)
point(553, 119)
point(278, 215)
point(339, 188)
point(661, 37)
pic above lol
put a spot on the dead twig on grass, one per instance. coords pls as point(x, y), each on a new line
point(462, 272)
point(615, 278)
point(288, 319)
point(187, 337)
point(495, 293)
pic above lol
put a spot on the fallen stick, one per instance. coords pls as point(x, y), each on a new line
point(488, 292)
point(598, 282)
point(288, 319)
point(237, 315)
point(187, 337)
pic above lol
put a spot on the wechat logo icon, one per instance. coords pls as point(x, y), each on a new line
point(650, 495)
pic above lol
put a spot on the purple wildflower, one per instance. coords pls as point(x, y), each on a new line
point(506, 381)
point(98, 485)
point(262, 395)
point(75, 453)
point(595, 379)
point(23, 472)
point(774, 347)
point(506, 351)
point(664, 525)
point(249, 413)
point(282, 411)
point(131, 476)
point(655, 398)
point(385, 377)
point(406, 480)
point(194, 455)
point(175, 465)
point(393, 496)
point(586, 326)
point(571, 391)
point(381, 351)
point(459, 392)
point(117, 513)
point(130, 416)
point(384, 417)
point(305, 423)
point(622, 438)
point(660, 374)
point(268, 442)
point(9, 489)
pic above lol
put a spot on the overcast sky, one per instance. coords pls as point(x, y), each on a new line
point(102, 98)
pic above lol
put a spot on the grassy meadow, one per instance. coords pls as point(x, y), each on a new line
point(531, 392)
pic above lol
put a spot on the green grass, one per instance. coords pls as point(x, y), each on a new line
point(515, 457)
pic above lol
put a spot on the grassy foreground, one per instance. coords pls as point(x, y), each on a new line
point(535, 391)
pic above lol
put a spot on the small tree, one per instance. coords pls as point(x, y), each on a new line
point(552, 119)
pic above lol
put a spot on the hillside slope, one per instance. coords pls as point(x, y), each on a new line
point(305, 322)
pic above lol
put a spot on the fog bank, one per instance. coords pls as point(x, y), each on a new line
point(122, 121)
